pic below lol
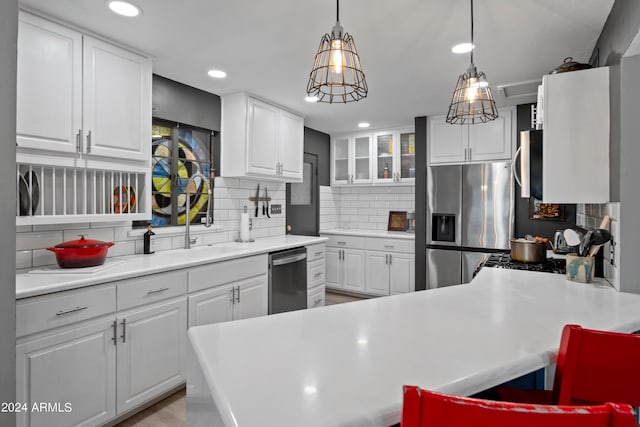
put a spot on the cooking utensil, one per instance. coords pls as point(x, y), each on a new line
point(559, 244)
point(266, 201)
point(528, 251)
point(598, 239)
point(585, 244)
point(569, 65)
point(574, 235)
point(81, 253)
point(257, 197)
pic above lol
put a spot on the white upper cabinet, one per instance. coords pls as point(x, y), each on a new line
point(575, 137)
point(384, 157)
point(76, 94)
point(290, 148)
point(351, 159)
point(49, 85)
point(117, 102)
point(260, 140)
point(83, 127)
point(394, 156)
point(454, 144)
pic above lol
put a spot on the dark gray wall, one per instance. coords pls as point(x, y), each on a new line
point(180, 103)
point(535, 227)
point(8, 38)
point(316, 142)
point(421, 202)
point(621, 27)
point(619, 31)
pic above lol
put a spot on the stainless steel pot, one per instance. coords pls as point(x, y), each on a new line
point(528, 251)
point(569, 65)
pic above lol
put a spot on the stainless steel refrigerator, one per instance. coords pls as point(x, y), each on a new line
point(470, 211)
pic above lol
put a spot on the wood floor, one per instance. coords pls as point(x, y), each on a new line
point(172, 411)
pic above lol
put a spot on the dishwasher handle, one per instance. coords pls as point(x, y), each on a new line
point(288, 259)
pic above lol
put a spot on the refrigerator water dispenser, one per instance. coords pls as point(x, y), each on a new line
point(443, 227)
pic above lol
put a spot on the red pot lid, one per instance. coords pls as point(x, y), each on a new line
point(82, 243)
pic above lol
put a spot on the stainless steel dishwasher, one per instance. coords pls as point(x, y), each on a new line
point(287, 280)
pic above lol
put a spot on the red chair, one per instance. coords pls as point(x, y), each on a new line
point(423, 408)
point(592, 367)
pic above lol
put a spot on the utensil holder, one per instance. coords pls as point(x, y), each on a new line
point(580, 269)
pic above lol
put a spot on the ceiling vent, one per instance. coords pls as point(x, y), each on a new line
point(521, 92)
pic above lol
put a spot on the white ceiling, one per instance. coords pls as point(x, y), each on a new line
point(268, 47)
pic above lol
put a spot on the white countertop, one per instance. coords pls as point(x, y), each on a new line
point(370, 233)
point(344, 365)
point(32, 284)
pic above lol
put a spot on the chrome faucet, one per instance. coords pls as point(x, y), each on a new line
point(187, 219)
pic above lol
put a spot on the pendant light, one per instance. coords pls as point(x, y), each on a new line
point(472, 101)
point(337, 74)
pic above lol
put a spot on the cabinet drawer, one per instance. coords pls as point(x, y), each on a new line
point(219, 273)
point(149, 289)
point(315, 252)
point(390, 245)
point(315, 297)
point(51, 311)
point(315, 273)
point(346, 242)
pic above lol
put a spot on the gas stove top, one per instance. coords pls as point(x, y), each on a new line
point(551, 265)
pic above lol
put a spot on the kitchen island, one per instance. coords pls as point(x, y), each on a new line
point(344, 365)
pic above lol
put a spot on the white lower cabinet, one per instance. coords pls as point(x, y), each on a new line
point(385, 267)
point(345, 269)
point(151, 352)
point(229, 290)
point(99, 352)
point(72, 365)
point(377, 273)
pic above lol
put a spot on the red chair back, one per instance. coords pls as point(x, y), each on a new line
point(597, 366)
point(423, 408)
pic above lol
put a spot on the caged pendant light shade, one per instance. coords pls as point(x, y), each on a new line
point(472, 101)
point(337, 75)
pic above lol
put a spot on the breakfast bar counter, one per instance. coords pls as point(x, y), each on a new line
point(344, 365)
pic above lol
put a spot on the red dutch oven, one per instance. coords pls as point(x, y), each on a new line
point(81, 253)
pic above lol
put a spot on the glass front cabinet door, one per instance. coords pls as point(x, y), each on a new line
point(395, 159)
point(351, 160)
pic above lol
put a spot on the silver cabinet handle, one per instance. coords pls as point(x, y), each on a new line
point(233, 295)
point(386, 259)
point(318, 274)
point(238, 300)
point(341, 243)
point(124, 330)
point(114, 325)
point(89, 142)
point(72, 310)
point(390, 259)
point(318, 301)
point(389, 246)
point(465, 154)
point(157, 291)
point(317, 253)
point(78, 140)
point(470, 155)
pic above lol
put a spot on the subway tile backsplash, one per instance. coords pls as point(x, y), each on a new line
point(590, 215)
point(230, 197)
point(363, 207)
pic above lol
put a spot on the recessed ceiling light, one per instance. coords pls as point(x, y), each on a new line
point(124, 8)
point(364, 124)
point(462, 48)
point(217, 74)
point(311, 98)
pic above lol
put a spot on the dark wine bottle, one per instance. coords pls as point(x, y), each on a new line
point(149, 241)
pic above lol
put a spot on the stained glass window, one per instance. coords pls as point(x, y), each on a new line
point(181, 164)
